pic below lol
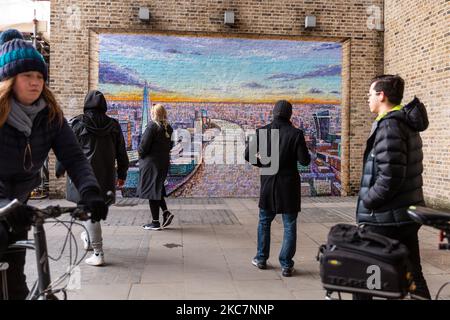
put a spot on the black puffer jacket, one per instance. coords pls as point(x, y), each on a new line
point(102, 142)
point(392, 173)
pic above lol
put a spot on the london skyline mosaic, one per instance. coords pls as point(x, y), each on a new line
point(213, 86)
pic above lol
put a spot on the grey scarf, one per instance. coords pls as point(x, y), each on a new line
point(21, 117)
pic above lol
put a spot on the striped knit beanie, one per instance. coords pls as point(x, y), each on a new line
point(18, 55)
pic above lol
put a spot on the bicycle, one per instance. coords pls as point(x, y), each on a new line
point(43, 288)
point(425, 216)
point(437, 219)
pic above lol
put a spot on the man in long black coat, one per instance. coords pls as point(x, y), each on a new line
point(280, 182)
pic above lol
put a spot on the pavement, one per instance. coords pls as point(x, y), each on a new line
point(205, 254)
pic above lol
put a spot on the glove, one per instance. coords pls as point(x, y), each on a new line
point(59, 170)
point(20, 219)
point(96, 205)
point(59, 175)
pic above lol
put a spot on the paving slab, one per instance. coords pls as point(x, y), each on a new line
point(206, 252)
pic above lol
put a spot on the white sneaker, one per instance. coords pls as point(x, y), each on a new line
point(84, 239)
point(97, 259)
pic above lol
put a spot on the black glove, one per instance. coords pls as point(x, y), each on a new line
point(59, 170)
point(20, 219)
point(95, 204)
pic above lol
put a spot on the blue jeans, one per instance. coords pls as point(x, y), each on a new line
point(289, 238)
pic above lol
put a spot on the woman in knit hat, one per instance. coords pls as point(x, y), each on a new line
point(31, 124)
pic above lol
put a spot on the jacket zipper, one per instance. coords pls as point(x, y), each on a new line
point(28, 151)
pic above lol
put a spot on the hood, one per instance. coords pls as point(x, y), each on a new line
point(97, 123)
point(413, 114)
point(95, 100)
point(95, 119)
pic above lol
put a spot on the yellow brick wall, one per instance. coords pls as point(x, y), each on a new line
point(417, 47)
point(74, 25)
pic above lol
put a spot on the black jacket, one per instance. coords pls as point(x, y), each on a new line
point(392, 173)
point(102, 142)
point(280, 191)
point(154, 160)
point(16, 182)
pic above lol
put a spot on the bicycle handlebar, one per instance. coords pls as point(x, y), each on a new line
point(79, 212)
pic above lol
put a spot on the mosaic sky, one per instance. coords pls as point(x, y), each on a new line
point(187, 68)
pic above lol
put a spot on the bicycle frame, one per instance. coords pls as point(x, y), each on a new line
point(437, 219)
point(41, 289)
point(43, 267)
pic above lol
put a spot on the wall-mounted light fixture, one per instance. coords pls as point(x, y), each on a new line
point(310, 22)
point(144, 14)
point(228, 17)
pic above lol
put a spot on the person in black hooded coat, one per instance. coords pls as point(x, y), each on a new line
point(392, 173)
point(280, 183)
point(102, 142)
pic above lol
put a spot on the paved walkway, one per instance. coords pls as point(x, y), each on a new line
point(206, 252)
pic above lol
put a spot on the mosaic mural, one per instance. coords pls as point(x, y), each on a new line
point(216, 91)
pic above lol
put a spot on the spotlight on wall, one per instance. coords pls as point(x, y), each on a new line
point(310, 22)
point(228, 17)
point(144, 14)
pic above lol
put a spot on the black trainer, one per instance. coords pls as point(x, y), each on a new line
point(259, 264)
point(167, 218)
point(155, 225)
point(287, 272)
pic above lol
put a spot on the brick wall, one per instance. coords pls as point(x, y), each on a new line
point(417, 43)
point(75, 24)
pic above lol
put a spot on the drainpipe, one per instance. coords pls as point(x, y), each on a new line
point(35, 27)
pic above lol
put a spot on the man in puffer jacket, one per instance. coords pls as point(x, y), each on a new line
point(392, 173)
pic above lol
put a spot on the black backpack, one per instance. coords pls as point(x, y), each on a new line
point(358, 261)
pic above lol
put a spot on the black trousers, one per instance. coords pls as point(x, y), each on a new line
point(155, 205)
point(17, 286)
point(407, 235)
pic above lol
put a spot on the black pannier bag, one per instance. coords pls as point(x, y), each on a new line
point(357, 261)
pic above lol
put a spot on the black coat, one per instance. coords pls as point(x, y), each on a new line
point(154, 161)
point(280, 191)
point(16, 182)
point(102, 144)
point(392, 173)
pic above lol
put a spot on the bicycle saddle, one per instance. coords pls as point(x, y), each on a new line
point(428, 216)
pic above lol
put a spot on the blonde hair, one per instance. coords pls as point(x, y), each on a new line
point(6, 91)
point(159, 114)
